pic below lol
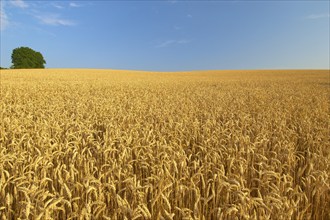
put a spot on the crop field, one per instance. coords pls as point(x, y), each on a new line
point(107, 144)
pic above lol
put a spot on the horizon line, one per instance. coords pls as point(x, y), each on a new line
point(194, 70)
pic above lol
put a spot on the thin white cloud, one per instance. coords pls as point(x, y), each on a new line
point(19, 3)
point(54, 20)
point(4, 21)
point(31, 10)
point(318, 16)
point(168, 43)
point(189, 16)
point(165, 43)
point(57, 6)
point(74, 5)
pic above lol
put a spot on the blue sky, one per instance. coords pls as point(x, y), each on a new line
point(169, 35)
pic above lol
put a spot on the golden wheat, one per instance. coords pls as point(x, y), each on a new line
point(106, 144)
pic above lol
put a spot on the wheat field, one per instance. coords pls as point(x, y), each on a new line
point(114, 144)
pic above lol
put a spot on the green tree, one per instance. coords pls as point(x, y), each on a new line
point(26, 58)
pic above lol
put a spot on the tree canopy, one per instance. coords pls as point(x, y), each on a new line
point(26, 58)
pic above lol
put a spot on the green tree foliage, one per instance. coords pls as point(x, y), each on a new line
point(26, 58)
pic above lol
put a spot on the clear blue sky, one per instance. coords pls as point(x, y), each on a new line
point(169, 35)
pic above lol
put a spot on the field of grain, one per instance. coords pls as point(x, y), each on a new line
point(106, 144)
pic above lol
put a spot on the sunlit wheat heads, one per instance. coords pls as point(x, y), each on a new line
point(106, 144)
